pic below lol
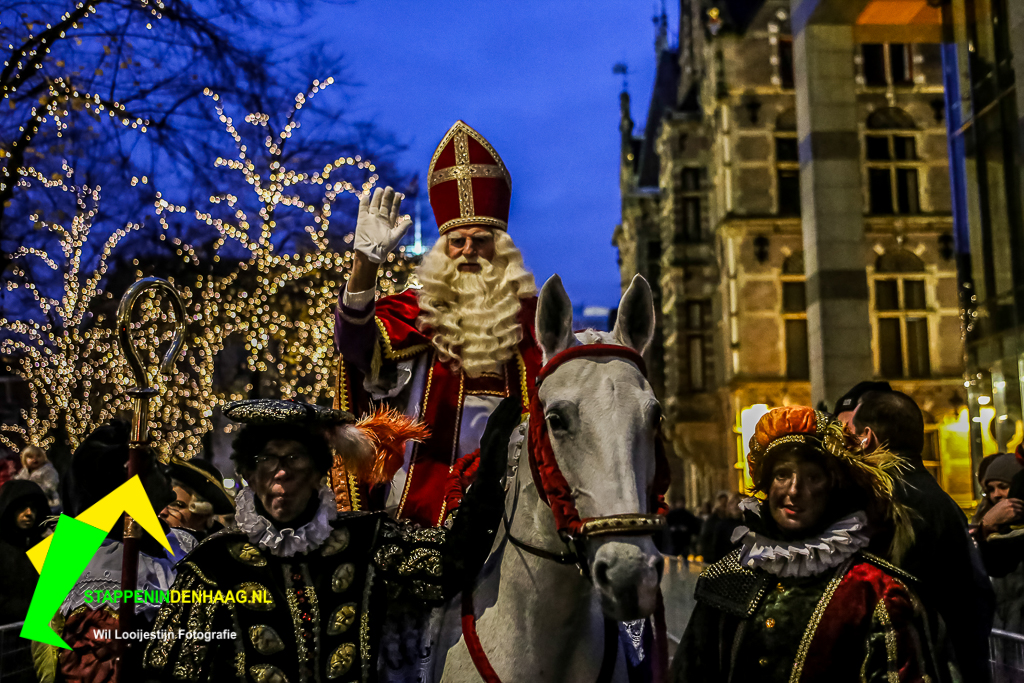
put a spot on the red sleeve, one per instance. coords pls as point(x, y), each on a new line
point(92, 656)
point(907, 648)
point(396, 317)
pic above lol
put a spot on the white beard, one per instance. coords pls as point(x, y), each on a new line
point(472, 317)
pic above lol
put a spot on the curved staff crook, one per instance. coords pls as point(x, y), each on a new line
point(141, 394)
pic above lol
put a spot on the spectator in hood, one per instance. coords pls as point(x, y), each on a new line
point(23, 507)
point(1000, 542)
point(36, 467)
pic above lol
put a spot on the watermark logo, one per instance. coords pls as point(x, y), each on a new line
point(62, 557)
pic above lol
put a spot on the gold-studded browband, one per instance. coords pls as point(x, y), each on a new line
point(631, 524)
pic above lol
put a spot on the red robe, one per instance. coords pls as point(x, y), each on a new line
point(397, 338)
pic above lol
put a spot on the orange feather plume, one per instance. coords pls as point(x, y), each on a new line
point(388, 430)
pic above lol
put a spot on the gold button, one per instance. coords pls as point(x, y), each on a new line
point(763, 661)
point(781, 588)
point(769, 622)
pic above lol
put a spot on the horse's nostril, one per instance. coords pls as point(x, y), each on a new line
point(601, 572)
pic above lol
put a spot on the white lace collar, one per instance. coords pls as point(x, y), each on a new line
point(807, 557)
point(285, 542)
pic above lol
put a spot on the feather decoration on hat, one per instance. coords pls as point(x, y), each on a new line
point(374, 448)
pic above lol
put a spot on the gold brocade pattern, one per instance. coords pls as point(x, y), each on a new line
point(314, 608)
point(465, 184)
point(467, 171)
point(355, 502)
point(891, 651)
point(193, 651)
point(336, 542)
point(239, 645)
point(167, 619)
point(199, 573)
point(342, 619)
point(812, 625)
point(252, 588)
point(247, 553)
point(425, 560)
point(364, 624)
point(265, 673)
point(341, 660)
point(342, 577)
point(474, 221)
point(390, 352)
point(265, 639)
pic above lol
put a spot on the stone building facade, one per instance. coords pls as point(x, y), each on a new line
point(789, 201)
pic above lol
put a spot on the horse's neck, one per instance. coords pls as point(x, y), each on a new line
point(542, 586)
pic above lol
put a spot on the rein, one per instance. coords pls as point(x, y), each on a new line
point(555, 491)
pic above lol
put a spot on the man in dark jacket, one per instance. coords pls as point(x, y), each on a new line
point(23, 507)
point(943, 557)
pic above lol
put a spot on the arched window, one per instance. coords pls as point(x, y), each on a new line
point(901, 313)
point(787, 164)
point(890, 151)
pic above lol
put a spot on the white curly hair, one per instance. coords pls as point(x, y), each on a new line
point(472, 318)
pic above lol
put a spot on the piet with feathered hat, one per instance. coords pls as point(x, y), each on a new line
point(322, 578)
point(801, 599)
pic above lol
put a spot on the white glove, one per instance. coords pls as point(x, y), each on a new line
point(378, 228)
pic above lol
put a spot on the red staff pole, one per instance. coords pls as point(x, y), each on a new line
point(138, 447)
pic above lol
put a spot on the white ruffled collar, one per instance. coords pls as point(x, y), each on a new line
point(806, 557)
point(285, 542)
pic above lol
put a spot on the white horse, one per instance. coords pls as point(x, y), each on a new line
point(539, 620)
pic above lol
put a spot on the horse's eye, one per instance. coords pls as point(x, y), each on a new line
point(655, 415)
point(555, 422)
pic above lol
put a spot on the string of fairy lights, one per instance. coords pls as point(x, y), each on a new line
point(276, 307)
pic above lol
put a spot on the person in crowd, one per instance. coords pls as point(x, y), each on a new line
point(200, 497)
point(720, 539)
point(23, 508)
point(97, 468)
point(36, 467)
point(846, 405)
point(998, 541)
point(683, 527)
point(329, 575)
point(943, 553)
point(801, 599)
point(708, 529)
point(9, 465)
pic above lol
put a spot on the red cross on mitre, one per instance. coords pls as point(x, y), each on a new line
point(468, 182)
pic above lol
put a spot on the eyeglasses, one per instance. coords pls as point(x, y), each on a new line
point(297, 462)
point(480, 240)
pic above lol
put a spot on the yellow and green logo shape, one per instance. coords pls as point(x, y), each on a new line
point(61, 558)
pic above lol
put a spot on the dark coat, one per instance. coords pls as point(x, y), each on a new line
point(19, 576)
point(946, 562)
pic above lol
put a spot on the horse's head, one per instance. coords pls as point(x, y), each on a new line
point(602, 418)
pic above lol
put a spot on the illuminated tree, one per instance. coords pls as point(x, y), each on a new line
point(66, 349)
point(265, 279)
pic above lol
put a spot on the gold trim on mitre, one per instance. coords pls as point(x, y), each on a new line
point(463, 173)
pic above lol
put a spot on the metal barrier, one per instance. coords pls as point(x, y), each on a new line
point(15, 656)
point(1006, 654)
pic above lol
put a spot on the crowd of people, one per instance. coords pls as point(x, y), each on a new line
point(846, 561)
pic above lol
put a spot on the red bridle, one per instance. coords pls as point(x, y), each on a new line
point(551, 484)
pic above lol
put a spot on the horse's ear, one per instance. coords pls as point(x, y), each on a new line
point(634, 325)
point(554, 318)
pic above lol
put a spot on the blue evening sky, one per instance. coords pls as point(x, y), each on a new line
point(535, 78)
